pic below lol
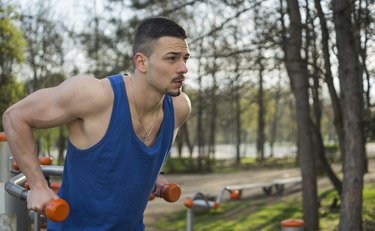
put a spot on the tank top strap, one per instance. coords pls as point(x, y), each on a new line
point(117, 82)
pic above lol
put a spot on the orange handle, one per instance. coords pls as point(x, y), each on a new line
point(15, 166)
point(235, 194)
point(45, 160)
point(57, 210)
point(151, 197)
point(3, 137)
point(171, 192)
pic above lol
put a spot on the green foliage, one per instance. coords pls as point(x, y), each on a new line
point(46, 140)
point(10, 93)
point(331, 151)
point(368, 213)
point(238, 216)
point(12, 50)
point(330, 214)
point(188, 165)
point(12, 41)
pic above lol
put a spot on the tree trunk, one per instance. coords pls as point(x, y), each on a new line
point(351, 88)
point(324, 163)
point(237, 109)
point(212, 122)
point(335, 101)
point(276, 118)
point(298, 74)
point(318, 140)
point(261, 125)
point(185, 131)
point(200, 130)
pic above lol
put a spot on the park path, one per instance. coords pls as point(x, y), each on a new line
point(213, 183)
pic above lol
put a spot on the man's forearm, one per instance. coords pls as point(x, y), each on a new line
point(22, 145)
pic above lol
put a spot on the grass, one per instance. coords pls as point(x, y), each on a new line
point(191, 166)
point(266, 215)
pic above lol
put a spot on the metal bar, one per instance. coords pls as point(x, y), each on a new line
point(221, 194)
point(52, 170)
point(189, 219)
point(248, 186)
point(36, 222)
point(13, 186)
point(287, 180)
point(204, 203)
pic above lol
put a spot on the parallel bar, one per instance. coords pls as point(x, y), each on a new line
point(14, 185)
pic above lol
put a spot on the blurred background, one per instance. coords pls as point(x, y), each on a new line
point(242, 101)
point(268, 79)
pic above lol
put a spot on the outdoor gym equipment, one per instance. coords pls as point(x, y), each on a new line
point(13, 209)
point(292, 225)
point(56, 210)
point(235, 191)
point(201, 203)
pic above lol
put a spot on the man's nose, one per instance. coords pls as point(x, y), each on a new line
point(182, 68)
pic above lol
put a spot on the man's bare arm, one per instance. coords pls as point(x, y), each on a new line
point(182, 110)
point(45, 108)
point(182, 107)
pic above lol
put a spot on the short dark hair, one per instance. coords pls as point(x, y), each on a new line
point(151, 29)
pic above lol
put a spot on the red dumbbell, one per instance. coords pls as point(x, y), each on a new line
point(57, 210)
point(171, 192)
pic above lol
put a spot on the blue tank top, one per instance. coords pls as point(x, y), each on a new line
point(108, 185)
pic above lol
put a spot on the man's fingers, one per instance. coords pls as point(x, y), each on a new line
point(39, 210)
point(158, 190)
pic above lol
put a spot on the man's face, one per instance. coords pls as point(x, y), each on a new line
point(167, 65)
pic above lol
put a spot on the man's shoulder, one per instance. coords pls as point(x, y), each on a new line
point(182, 108)
point(88, 83)
point(181, 101)
point(87, 90)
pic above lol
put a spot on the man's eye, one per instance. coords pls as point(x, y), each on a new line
point(173, 58)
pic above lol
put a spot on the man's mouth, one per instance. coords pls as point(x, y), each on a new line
point(179, 81)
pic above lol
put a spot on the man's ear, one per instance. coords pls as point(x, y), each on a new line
point(140, 62)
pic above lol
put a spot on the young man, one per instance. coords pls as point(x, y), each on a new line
point(121, 129)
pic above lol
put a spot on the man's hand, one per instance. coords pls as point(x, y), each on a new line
point(160, 182)
point(37, 199)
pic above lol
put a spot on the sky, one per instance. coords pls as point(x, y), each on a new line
point(74, 14)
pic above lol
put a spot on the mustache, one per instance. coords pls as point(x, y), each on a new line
point(178, 78)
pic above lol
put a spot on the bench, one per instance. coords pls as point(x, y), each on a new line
point(235, 191)
point(280, 183)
